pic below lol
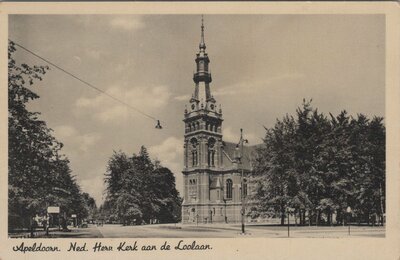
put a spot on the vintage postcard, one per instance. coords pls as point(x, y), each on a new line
point(200, 130)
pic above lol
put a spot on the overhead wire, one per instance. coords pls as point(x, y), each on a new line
point(86, 83)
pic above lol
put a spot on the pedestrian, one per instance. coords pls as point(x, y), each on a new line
point(33, 226)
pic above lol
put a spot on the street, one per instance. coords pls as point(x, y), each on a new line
point(216, 231)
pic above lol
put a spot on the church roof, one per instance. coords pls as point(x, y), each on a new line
point(229, 153)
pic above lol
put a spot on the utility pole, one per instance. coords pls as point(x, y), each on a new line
point(239, 157)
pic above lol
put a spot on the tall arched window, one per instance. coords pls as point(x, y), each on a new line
point(194, 152)
point(211, 152)
point(228, 189)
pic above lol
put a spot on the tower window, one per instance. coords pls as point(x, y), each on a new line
point(194, 152)
point(194, 157)
point(228, 189)
point(211, 152)
point(192, 189)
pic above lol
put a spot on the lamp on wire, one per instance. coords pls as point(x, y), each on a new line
point(158, 126)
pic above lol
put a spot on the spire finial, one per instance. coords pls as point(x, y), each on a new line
point(202, 43)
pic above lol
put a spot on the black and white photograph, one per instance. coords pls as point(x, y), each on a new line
point(196, 126)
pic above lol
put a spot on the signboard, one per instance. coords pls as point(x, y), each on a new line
point(73, 216)
point(53, 210)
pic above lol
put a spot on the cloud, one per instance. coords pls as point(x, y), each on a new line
point(230, 136)
point(127, 23)
point(94, 186)
point(182, 98)
point(88, 140)
point(170, 154)
point(77, 59)
point(74, 139)
point(226, 91)
point(250, 87)
point(94, 54)
point(105, 109)
point(64, 131)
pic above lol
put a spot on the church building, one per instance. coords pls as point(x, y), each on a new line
point(214, 171)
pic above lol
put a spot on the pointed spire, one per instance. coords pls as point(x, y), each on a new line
point(202, 45)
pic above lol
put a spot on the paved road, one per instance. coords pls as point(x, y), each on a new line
point(217, 231)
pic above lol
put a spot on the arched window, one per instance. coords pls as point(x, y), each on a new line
point(211, 152)
point(228, 189)
point(197, 125)
point(244, 188)
point(194, 152)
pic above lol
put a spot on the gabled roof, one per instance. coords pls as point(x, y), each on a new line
point(229, 152)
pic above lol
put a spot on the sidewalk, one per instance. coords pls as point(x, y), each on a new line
point(36, 234)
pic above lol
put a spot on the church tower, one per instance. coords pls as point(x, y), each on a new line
point(203, 120)
point(210, 173)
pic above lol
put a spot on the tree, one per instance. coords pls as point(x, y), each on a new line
point(38, 175)
point(140, 190)
point(320, 166)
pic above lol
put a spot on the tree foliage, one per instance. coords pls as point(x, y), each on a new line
point(320, 165)
point(139, 190)
point(38, 175)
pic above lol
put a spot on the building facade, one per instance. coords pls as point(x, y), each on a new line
point(214, 176)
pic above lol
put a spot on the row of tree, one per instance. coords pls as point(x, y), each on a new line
point(38, 174)
point(319, 166)
point(139, 191)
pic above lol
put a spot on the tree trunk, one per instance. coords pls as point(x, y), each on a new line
point(317, 217)
point(329, 217)
point(381, 201)
point(301, 216)
point(282, 218)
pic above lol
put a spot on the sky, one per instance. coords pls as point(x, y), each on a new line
point(262, 66)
